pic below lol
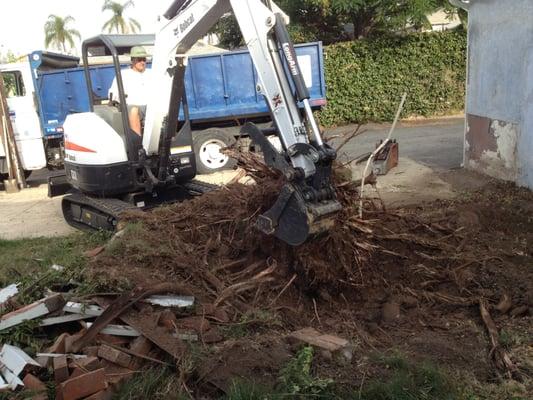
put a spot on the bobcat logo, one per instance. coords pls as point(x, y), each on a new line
point(184, 25)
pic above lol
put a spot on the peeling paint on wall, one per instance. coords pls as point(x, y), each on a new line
point(491, 147)
point(499, 132)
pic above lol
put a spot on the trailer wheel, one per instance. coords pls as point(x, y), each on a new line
point(207, 145)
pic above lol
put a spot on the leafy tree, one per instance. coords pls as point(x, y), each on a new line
point(118, 21)
point(9, 57)
point(58, 34)
point(326, 20)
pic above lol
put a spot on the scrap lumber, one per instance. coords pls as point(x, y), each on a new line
point(10, 380)
point(83, 309)
point(147, 325)
point(7, 293)
point(59, 344)
point(63, 319)
point(32, 311)
point(170, 301)
point(16, 359)
point(117, 330)
point(120, 305)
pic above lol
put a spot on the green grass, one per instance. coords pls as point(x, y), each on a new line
point(410, 382)
point(153, 384)
point(405, 381)
point(28, 262)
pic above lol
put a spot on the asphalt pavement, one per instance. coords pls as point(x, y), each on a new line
point(437, 144)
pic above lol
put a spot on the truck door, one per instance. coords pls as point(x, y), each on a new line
point(24, 118)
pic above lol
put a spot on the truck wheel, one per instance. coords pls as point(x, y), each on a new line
point(207, 145)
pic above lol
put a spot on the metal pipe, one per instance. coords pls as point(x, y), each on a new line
point(371, 158)
point(311, 119)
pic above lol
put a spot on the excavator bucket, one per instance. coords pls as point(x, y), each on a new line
point(293, 219)
point(304, 207)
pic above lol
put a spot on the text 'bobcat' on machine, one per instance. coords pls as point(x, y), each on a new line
point(111, 170)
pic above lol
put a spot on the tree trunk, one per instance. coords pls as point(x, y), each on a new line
point(362, 23)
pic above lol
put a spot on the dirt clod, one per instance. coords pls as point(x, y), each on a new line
point(390, 312)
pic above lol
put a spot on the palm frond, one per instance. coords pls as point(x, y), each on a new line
point(135, 25)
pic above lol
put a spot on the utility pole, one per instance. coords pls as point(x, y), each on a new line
point(16, 179)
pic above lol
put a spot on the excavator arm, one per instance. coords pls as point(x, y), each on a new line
point(307, 202)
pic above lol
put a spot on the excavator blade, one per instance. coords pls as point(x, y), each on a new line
point(293, 219)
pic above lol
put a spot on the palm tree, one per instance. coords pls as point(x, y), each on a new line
point(57, 33)
point(118, 22)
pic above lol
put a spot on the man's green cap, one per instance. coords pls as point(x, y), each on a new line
point(138, 52)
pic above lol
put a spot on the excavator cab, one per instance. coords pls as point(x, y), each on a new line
point(121, 160)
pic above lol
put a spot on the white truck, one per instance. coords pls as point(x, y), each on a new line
point(24, 119)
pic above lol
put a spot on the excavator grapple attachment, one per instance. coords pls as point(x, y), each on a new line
point(293, 219)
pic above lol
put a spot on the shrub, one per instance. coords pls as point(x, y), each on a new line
point(366, 78)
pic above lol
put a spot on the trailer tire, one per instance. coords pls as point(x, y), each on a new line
point(207, 145)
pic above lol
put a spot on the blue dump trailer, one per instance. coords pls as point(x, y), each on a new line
point(220, 87)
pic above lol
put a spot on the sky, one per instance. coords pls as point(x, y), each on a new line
point(22, 21)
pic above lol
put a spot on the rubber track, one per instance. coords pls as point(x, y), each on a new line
point(110, 206)
point(200, 187)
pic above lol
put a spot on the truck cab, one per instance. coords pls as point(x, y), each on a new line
point(38, 132)
point(19, 89)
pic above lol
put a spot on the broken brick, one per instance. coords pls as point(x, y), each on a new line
point(198, 324)
point(83, 385)
point(101, 395)
point(34, 384)
point(91, 351)
point(77, 372)
point(60, 368)
point(340, 348)
point(59, 345)
point(69, 340)
point(113, 355)
point(168, 320)
point(115, 374)
point(213, 335)
point(221, 315)
point(141, 346)
point(93, 252)
point(87, 364)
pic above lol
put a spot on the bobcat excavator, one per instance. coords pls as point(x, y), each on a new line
point(109, 169)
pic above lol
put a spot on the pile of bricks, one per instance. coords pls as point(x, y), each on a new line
point(106, 342)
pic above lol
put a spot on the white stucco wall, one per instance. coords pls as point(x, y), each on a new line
point(500, 87)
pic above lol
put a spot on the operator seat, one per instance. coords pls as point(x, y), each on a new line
point(113, 116)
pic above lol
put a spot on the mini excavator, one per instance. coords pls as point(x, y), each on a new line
point(110, 169)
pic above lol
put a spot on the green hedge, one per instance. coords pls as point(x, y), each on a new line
point(366, 78)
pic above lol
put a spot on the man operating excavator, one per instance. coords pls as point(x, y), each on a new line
point(136, 81)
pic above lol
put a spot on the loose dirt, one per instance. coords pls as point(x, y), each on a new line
point(406, 279)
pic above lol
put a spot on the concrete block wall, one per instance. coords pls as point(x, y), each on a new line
point(499, 105)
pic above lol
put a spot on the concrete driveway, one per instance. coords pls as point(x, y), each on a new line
point(426, 149)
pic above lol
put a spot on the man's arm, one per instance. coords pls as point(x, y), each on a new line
point(113, 90)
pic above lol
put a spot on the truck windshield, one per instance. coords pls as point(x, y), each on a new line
point(13, 83)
